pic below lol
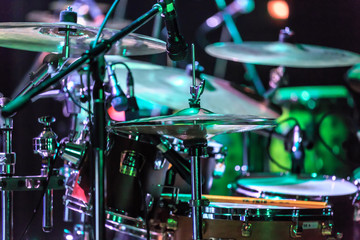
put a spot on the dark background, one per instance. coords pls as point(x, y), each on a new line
point(327, 23)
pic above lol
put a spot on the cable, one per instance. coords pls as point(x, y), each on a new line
point(269, 155)
point(122, 63)
point(269, 143)
point(112, 8)
point(45, 188)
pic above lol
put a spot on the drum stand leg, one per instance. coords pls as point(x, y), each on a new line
point(196, 150)
point(7, 164)
point(98, 142)
point(7, 215)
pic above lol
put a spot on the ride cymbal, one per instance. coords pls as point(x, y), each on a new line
point(283, 54)
point(49, 37)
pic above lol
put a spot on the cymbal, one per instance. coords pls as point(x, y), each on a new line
point(46, 37)
point(169, 87)
point(283, 54)
point(192, 123)
point(46, 16)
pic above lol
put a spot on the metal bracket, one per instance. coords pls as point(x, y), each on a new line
point(30, 183)
point(199, 203)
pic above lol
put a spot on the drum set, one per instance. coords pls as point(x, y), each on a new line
point(141, 176)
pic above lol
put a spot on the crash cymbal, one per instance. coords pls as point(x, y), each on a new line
point(46, 37)
point(192, 123)
point(283, 54)
point(170, 87)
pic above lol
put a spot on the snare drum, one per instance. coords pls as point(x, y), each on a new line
point(232, 221)
point(339, 193)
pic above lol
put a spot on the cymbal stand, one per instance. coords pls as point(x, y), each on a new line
point(7, 169)
point(197, 148)
point(251, 73)
point(45, 145)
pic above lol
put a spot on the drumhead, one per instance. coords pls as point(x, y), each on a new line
point(293, 185)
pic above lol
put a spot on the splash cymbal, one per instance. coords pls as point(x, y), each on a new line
point(48, 37)
point(192, 123)
point(283, 54)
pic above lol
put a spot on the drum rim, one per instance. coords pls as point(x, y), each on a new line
point(254, 212)
point(247, 191)
point(134, 227)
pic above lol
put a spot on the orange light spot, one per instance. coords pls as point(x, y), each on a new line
point(278, 9)
point(115, 115)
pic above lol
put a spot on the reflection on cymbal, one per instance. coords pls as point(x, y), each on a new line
point(170, 87)
point(193, 123)
point(283, 54)
point(48, 37)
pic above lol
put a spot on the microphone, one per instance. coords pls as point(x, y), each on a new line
point(176, 46)
point(118, 98)
point(296, 148)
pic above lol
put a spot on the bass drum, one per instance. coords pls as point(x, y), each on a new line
point(339, 193)
point(235, 221)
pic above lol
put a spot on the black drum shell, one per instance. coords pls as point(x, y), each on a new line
point(126, 194)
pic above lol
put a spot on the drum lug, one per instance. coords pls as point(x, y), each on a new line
point(326, 228)
point(295, 231)
point(246, 229)
point(172, 225)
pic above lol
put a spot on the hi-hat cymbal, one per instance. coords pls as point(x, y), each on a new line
point(46, 37)
point(192, 123)
point(283, 54)
point(171, 87)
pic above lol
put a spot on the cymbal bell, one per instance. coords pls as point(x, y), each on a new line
point(48, 37)
point(192, 123)
point(283, 54)
point(46, 16)
point(169, 87)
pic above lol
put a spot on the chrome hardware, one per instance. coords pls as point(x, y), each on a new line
point(326, 228)
point(246, 229)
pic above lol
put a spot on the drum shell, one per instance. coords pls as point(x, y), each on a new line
point(231, 230)
point(216, 154)
point(266, 222)
point(124, 193)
